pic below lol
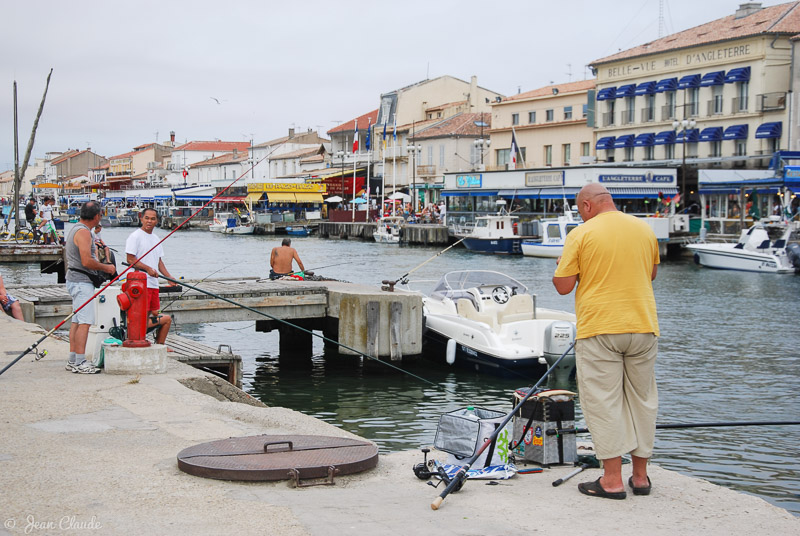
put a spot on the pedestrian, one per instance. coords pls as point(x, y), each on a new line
point(46, 227)
point(81, 256)
point(613, 258)
point(281, 259)
point(143, 252)
point(443, 213)
point(9, 303)
point(30, 212)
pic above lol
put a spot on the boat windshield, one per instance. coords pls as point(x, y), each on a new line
point(453, 284)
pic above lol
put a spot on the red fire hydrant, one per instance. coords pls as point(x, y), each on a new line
point(133, 299)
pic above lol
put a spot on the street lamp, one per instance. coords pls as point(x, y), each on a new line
point(340, 154)
point(414, 150)
point(481, 142)
point(682, 128)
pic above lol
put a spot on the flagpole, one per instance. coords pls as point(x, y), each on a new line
point(383, 167)
point(355, 163)
point(369, 159)
point(394, 163)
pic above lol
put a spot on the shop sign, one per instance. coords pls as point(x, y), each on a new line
point(544, 178)
point(469, 181)
point(286, 187)
point(646, 178)
point(791, 171)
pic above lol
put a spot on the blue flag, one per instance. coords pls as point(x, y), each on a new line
point(369, 129)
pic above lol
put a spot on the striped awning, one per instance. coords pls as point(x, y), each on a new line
point(640, 192)
point(281, 197)
point(711, 134)
point(607, 93)
point(691, 135)
point(646, 88)
point(716, 78)
point(624, 141)
point(770, 130)
point(689, 81)
point(666, 137)
point(742, 74)
point(735, 132)
point(628, 90)
point(644, 140)
point(667, 84)
point(606, 143)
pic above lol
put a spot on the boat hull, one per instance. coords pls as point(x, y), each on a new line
point(297, 231)
point(384, 238)
point(537, 249)
point(506, 246)
point(727, 257)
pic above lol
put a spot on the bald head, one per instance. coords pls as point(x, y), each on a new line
point(594, 199)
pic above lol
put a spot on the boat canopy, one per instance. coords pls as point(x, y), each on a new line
point(454, 285)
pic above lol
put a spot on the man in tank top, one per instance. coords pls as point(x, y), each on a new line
point(81, 258)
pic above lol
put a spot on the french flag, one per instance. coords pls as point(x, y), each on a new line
point(355, 139)
point(513, 163)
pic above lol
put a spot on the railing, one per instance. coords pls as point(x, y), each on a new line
point(714, 106)
point(628, 116)
point(648, 114)
point(769, 102)
point(426, 171)
point(608, 118)
point(667, 112)
point(739, 105)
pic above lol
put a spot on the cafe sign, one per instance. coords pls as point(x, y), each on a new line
point(648, 178)
point(544, 178)
point(469, 181)
point(286, 187)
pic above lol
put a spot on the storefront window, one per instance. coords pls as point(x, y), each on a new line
point(486, 203)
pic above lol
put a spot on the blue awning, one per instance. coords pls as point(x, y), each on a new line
point(628, 90)
point(735, 132)
point(606, 143)
point(711, 134)
point(644, 140)
point(558, 193)
point(742, 74)
point(640, 192)
point(666, 137)
point(689, 81)
point(464, 193)
point(607, 93)
point(770, 130)
point(646, 88)
point(624, 141)
point(691, 135)
point(716, 78)
point(667, 84)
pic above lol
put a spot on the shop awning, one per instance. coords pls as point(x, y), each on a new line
point(769, 130)
point(606, 143)
point(281, 197)
point(633, 192)
point(472, 193)
point(347, 171)
point(667, 84)
point(252, 197)
point(308, 197)
point(644, 140)
point(735, 132)
point(691, 135)
point(689, 81)
point(711, 134)
point(646, 88)
point(742, 74)
point(229, 199)
point(666, 137)
point(716, 78)
point(607, 93)
point(628, 90)
point(624, 141)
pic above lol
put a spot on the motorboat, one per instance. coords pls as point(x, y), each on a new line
point(495, 233)
point(298, 230)
point(764, 247)
point(388, 230)
point(488, 322)
point(220, 222)
point(232, 223)
point(554, 232)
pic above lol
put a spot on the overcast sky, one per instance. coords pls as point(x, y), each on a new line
point(125, 72)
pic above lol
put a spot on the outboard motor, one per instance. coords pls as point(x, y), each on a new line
point(793, 253)
point(557, 338)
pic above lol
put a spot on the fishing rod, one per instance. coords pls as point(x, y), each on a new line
point(404, 278)
point(119, 275)
point(461, 475)
point(560, 431)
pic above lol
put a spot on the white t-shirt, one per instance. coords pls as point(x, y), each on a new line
point(47, 213)
point(137, 244)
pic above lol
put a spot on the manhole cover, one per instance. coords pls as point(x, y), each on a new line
point(278, 457)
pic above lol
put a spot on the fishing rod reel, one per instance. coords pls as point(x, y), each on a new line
point(39, 354)
point(427, 470)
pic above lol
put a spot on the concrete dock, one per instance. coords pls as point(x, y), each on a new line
point(97, 453)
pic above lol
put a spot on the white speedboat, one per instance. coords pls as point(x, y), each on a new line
point(496, 233)
point(554, 232)
point(232, 223)
point(764, 247)
point(488, 322)
point(388, 230)
point(220, 222)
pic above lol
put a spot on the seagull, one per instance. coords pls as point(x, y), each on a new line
point(215, 100)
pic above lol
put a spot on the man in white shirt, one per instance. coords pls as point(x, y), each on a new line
point(139, 243)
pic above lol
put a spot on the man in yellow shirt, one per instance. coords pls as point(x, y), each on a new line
point(613, 258)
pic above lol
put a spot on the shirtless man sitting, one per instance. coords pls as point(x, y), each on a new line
point(280, 260)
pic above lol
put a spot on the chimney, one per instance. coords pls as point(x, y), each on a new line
point(748, 8)
point(473, 92)
point(291, 132)
point(172, 136)
point(235, 152)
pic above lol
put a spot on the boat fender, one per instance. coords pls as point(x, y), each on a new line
point(697, 259)
point(793, 252)
point(450, 354)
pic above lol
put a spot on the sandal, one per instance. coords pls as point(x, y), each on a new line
point(645, 490)
point(594, 489)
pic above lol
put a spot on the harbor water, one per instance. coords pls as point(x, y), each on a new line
point(729, 351)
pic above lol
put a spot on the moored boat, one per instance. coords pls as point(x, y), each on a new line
point(495, 233)
point(554, 232)
point(298, 230)
point(388, 230)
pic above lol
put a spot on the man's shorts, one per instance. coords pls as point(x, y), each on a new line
point(9, 303)
point(153, 302)
point(81, 292)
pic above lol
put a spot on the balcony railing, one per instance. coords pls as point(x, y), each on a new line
point(714, 106)
point(608, 118)
point(667, 112)
point(739, 105)
point(769, 102)
point(426, 171)
point(628, 116)
point(648, 114)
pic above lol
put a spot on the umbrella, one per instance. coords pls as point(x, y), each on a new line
point(359, 200)
point(400, 195)
point(334, 199)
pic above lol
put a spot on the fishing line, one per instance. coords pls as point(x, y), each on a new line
point(404, 278)
point(119, 275)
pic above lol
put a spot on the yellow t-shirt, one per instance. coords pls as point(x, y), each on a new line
point(613, 256)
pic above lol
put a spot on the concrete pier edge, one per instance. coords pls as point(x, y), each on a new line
point(98, 452)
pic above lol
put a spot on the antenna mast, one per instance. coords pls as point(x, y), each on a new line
point(661, 25)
